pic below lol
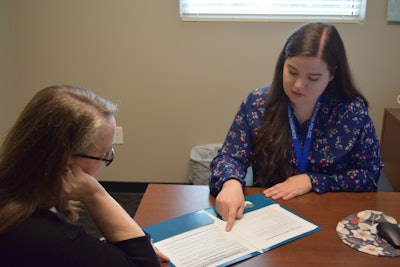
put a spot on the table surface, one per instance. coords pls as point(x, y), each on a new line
point(323, 248)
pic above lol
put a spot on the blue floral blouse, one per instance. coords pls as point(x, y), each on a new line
point(344, 153)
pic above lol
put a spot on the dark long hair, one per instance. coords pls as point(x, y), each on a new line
point(316, 39)
point(57, 122)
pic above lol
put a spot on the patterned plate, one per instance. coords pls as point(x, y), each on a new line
point(359, 232)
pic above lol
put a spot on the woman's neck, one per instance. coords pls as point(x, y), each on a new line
point(303, 113)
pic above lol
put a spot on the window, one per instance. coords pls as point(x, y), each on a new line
point(352, 11)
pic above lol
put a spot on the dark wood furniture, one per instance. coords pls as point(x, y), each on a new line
point(324, 248)
point(390, 146)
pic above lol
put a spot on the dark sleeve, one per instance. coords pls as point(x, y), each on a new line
point(45, 240)
point(89, 251)
point(139, 250)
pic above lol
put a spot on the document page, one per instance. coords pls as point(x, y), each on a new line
point(209, 245)
point(271, 225)
point(199, 238)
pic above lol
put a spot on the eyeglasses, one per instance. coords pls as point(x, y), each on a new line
point(108, 157)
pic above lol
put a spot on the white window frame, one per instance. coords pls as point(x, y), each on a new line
point(351, 11)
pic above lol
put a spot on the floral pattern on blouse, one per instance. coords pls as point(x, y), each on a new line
point(344, 153)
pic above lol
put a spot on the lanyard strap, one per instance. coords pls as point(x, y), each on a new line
point(302, 154)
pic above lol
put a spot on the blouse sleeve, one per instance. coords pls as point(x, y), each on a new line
point(361, 165)
point(232, 159)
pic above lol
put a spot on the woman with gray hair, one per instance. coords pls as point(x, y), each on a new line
point(48, 161)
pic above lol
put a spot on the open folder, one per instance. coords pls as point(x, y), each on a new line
point(199, 238)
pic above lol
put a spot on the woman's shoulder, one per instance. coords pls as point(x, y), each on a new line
point(42, 236)
point(354, 105)
point(349, 111)
point(260, 91)
point(42, 227)
point(257, 96)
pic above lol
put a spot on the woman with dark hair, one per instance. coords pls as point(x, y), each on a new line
point(63, 138)
point(308, 131)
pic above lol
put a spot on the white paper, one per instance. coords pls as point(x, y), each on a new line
point(270, 226)
point(204, 246)
point(211, 245)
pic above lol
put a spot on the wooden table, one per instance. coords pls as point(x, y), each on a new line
point(164, 201)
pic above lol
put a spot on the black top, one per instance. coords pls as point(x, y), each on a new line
point(46, 240)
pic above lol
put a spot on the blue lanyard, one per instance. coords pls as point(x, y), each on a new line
point(302, 154)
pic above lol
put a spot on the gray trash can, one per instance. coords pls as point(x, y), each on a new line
point(201, 157)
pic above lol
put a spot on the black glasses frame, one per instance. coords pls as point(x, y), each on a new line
point(106, 160)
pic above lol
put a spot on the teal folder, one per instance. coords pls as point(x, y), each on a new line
point(175, 236)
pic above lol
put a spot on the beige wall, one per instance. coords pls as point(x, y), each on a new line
point(7, 68)
point(178, 84)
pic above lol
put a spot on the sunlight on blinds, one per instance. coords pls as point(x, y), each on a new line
point(273, 10)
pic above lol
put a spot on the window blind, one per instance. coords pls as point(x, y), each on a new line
point(273, 10)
